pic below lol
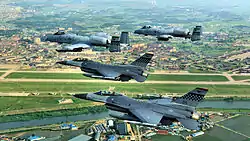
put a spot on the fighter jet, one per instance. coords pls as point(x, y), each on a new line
point(78, 43)
point(135, 70)
point(167, 34)
point(153, 112)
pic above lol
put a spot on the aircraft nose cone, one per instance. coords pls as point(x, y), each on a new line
point(44, 38)
point(81, 96)
point(137, 31)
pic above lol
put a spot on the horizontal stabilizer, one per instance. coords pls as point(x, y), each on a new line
point(140, 78)
point(193, 97)
point(143, 60)
point(190, 124)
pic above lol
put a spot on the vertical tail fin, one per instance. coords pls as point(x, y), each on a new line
point(196, 35)
point(143, 60)
point(193, 97)
point(115, 45)
point(124, 38)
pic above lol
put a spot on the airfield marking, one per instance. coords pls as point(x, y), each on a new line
point(228, 118)
point(229, 77)
point(232, 130)
point(8, 72)
point(157, 72)
point(246, 80)
point(132, 81)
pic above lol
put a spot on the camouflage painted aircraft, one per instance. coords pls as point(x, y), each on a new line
point(167, 34)
point(135, 70)
point(78, 43)
point(153, 112)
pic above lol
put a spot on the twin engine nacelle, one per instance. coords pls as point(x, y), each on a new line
point(98, 40)
point(164, 37)
point(180, 31)
point(104, 35)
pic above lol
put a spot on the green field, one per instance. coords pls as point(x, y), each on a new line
point(171, 77)
point(220, 134)
point(236, 77)
point(1, 73)
point(3, 69)
point(21, 103)
point(165, 138)
point(127, 88)
point(152, 77)
point(215, 134)
point(34, 75)
point(238, 124)
point(55, 113)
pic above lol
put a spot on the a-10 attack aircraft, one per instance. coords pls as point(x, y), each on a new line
point(166, 34)
point(78, 43)
point(152, 112)
point(135, 70)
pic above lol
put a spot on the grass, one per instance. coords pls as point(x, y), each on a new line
point(3, 69)
point(55, 113)
point(171, 77)
point(22, 103)
point(237, 77)
point(225, 110)
point(152, 77)
point(219, 134)
point(215, 134)
point(165, 138)
point(193, 70)
point(127, 88)
point(238, 124)
point(1, 73)
point(34, 75)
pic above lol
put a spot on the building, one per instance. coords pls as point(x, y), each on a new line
point(97, 136)
point(35, 138)
point(110, 123)
point(68, 126)
point(121, 128)
point(111, 138)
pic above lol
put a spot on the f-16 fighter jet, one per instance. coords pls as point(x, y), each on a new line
point(77, 42)
point(135, 70)
point(166, 34)
point(153, 112)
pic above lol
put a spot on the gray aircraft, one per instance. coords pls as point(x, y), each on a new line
point(166, 34)
point(78, 43)
point(135, 70)
point(152, 112)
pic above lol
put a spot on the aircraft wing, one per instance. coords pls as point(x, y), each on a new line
point(75, 47)
point(109, 73)
point(139, 78)
point(147, 115)
point(189, 123)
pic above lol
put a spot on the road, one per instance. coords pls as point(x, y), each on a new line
point(236, 132)
point(228, 76)
point(8, 72)
point(157, 72)
point(131, 81)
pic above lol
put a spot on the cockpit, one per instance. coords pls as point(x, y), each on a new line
point(107, 93)
point(80, 59)
point(146, 27)
point(60, 32)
